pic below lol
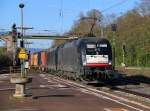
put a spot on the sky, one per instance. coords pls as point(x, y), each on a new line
point(56, 16)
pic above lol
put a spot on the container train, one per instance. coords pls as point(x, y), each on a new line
point(86, 59)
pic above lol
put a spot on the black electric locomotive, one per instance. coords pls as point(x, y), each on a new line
point(88, 59)
point(51, 59)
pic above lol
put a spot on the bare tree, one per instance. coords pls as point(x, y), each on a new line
point(144, 7)
point(88, 24)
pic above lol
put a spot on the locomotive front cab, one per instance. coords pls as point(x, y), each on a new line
point(97, 55)
point(97, 60)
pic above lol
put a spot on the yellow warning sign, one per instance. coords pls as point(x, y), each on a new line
point(22, 54)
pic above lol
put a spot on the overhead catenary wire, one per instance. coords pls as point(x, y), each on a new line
point(61, 12)
point(114, 6)
point(104, 10)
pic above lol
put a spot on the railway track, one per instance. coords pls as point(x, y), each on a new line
point(126, 85)
point(10, 69)
point(4, 70)
point(130, 86)
point(134, 92)
point(93, 90)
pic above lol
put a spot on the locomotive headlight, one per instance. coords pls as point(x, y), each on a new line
point(110, 63)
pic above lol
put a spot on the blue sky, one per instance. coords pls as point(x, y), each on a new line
point(45, 14)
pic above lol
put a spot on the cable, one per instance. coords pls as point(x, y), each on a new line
point(115, 5)
point(61, 15)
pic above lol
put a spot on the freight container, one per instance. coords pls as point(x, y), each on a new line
point(39, 59)
point(35, 63)
point(43, 59)
point(32, 59)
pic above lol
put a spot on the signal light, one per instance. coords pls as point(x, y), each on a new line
point(14, 30)
point(22, 44)
point(14, 33)
point(14, 26)
point(124, 48)
point(19, 35)
point(114, 27)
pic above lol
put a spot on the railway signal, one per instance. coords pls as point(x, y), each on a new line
point(114, 27)
point(22, 44)
point(14, 40)
point(19, 35)
point(124, 48)
point(14, 33)
point(123, 54)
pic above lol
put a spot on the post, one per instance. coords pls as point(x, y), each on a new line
point(102, 31)
point(14, 38)
point(114, 29)
point(101, 28)
point(114, 51)
point(21, 6)
point(123, 55)
point(21, 79)
point(123, 59)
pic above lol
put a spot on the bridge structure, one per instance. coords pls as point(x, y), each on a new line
point(12, 38)
point(11, 41)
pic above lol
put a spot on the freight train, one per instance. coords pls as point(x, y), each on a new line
point(86, 59)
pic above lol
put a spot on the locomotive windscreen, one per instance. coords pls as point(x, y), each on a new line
point(90, 49)
point(93, 49)
point(91, 46)
point(103, 48)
